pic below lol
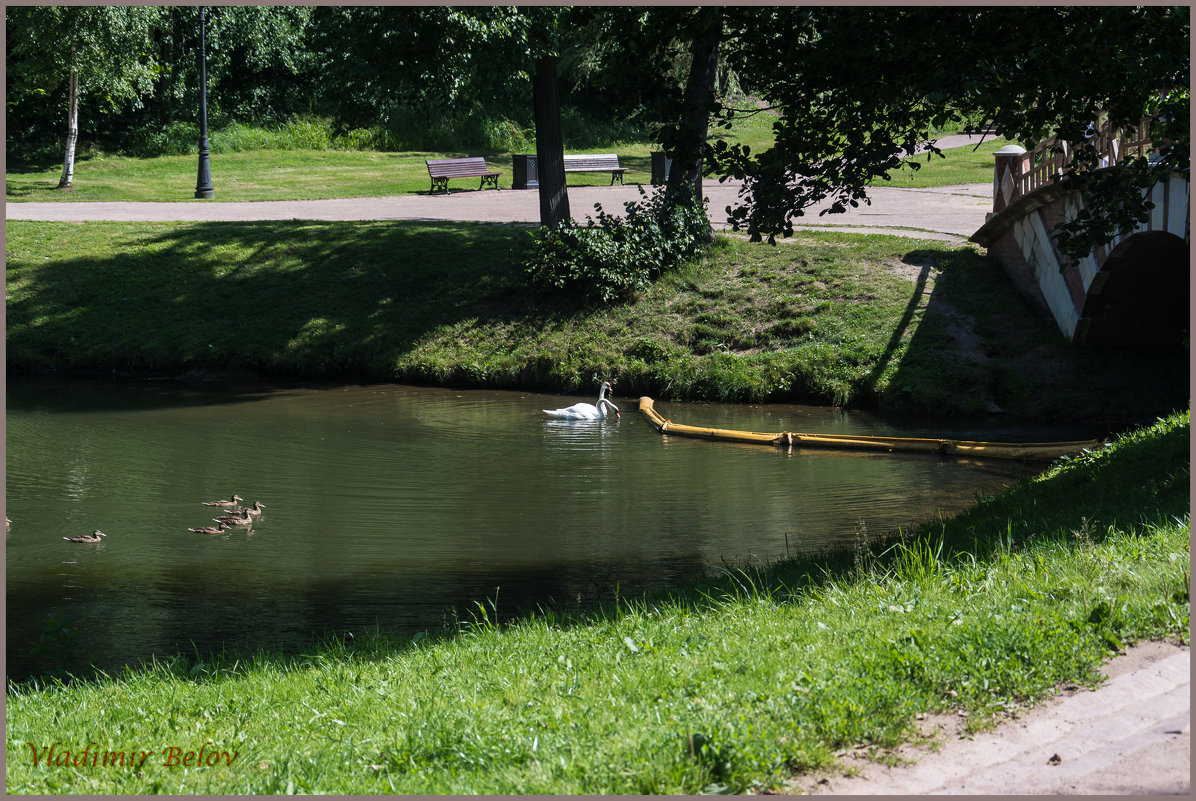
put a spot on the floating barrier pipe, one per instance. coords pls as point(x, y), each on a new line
point(1027, 451)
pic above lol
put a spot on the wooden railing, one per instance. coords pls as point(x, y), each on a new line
point(1052, 156)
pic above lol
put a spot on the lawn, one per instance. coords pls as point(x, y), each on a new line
point(320, 174)
point(825, 317)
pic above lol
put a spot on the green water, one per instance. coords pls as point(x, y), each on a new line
point(405, 507)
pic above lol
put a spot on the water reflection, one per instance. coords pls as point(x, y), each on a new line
point(404, 506)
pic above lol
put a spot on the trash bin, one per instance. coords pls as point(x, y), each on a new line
point(660, 168)
point(525, 172)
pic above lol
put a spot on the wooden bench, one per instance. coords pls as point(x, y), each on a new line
point(441, 170)
point(606, 162)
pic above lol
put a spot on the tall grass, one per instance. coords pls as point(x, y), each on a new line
point(407, 131)
point(302, 133)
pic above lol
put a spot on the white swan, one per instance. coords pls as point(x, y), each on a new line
point(587, 411)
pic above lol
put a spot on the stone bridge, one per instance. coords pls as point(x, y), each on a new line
point(1132, 291)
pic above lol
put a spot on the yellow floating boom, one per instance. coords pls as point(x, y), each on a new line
point(1030, 451)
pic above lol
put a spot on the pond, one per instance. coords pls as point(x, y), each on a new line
point(405, 507)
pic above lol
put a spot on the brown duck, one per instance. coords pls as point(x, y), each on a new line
point(93, 537)
point(255, 510)
point(209, 529)
point(243, 519)
point(227, 504)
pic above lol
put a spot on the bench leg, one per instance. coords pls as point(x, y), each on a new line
point(492, 180)
point(442, 183)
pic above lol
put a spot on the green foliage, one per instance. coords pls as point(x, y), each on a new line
point(611, 259)
point(841, 127)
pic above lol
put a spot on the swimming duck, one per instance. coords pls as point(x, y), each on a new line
point(587, 411)
point(236, 500)
point(255, 510)
point(209, 529)
point(93, 537)
point(242, 519)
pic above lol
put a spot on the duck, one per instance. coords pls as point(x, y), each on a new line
point(255, 510)
point(236, 500)
point(93, 537)
point(243, 519)
point(588, 411)
point(210, 529)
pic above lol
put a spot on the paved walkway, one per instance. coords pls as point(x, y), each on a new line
point(953, 212)
point(1130, 736)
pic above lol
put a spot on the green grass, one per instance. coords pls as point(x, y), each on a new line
point(308, 174)
point(970, 164)
point(736, 683)
point(874, 321)
point(269, 175)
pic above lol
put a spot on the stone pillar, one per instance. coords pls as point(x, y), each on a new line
point(1009, 168)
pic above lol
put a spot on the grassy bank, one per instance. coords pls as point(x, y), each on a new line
point(874, 321)
point(734, 684)
point(307, 174)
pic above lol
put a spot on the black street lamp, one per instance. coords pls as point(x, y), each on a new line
point(203, 184)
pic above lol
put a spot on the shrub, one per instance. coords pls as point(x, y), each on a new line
point(610, 259)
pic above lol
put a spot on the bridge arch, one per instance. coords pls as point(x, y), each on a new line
point(1134, 291)
point(1140, 296)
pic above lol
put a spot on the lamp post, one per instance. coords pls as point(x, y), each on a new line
point(203, 183)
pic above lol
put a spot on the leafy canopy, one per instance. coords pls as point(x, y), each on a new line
point(856, 90)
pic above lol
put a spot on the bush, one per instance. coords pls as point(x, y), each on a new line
point(611, 259)
point(176, 139)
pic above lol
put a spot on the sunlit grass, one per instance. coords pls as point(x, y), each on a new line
point(276, 174)
point(825, 317)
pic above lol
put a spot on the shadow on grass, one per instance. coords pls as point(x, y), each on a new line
point(978, 347)
point(294, 299)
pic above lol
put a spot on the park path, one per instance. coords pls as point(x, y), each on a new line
point(1130, 736)
point(952, 212)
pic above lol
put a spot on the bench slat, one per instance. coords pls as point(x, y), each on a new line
point(441, 170)
point(600, 162)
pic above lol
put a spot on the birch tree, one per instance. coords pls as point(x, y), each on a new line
point(102, 52)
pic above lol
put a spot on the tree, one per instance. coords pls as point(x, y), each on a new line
point(550, 148)
point(99, 51)
point(260, 64)
point(857, 89)
point(384, 65)
point(688, 137)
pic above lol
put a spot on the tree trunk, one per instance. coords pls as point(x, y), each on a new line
point(691, 145)
point(72, 131)
point(550, 148)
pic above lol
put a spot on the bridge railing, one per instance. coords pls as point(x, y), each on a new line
point(1020, 172)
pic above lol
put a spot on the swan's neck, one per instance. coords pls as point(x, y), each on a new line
point(601, 395)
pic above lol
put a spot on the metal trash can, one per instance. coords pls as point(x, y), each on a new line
point(660, 168)
point(525, 172)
